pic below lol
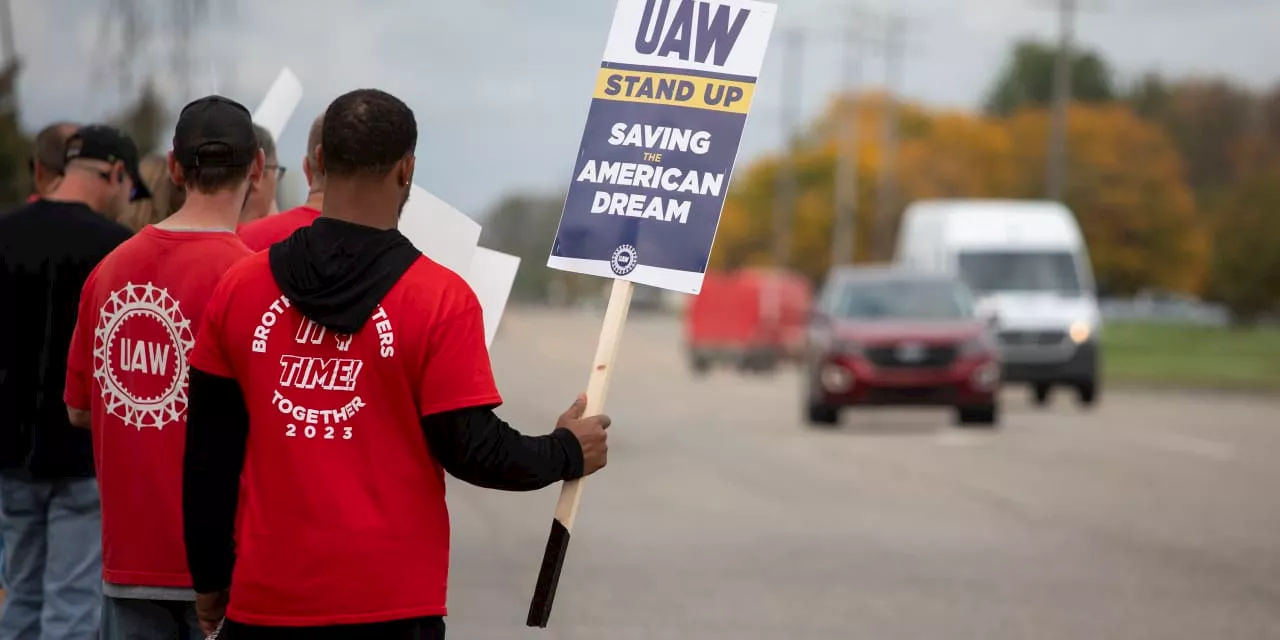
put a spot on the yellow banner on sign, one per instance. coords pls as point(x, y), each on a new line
point(674, 89)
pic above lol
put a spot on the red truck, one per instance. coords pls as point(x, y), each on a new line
point(752, 319)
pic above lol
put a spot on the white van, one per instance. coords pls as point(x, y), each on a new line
point(1027, 263)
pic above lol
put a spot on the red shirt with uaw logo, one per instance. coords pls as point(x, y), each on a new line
point(127, 366)
point(342, 517)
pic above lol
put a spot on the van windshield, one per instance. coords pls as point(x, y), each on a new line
point(992, 271)
point(903, 299)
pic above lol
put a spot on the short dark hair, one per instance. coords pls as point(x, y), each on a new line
point(313, 137)
point(51, 145)
point(264, 141)
point(209, 180)
point(366, 132)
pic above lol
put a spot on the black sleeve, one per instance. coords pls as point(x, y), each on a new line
point(217, 432)
point(476, 446)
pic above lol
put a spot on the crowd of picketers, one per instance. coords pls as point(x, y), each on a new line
point(217, 419)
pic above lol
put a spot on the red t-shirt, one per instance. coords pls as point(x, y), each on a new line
point(127, 366)
point(343, 519)
point(263, 233)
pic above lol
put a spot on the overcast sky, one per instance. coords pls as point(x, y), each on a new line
point(501, 87)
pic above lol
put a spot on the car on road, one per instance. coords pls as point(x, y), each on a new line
point(883, 336)
point(1028, 265)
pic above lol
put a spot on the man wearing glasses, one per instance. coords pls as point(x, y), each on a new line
point(49, 508)
point(261, 201)
point(260, 234)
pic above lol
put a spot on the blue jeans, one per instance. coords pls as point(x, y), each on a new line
point(52, 534)
point(129, 619)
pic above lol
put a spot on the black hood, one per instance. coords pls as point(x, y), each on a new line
point(336, 272)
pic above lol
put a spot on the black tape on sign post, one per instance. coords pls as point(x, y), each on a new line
point(544, 593)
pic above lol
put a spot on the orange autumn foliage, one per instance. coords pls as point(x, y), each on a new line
point(1124, 180)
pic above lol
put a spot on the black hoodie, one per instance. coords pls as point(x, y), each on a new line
point(336, 273)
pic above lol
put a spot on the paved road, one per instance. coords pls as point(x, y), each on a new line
point(1155, 516)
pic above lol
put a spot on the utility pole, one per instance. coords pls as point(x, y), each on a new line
point(6, 31)
point(887, 187)
point(785, 201)
point(1056, 168)
point(846, 191)
point(785, 196)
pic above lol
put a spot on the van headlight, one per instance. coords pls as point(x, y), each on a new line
point(1080, 332)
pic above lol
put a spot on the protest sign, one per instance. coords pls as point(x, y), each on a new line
point(670, 102)
point(662, 134)
point(439, 231)
point(280, 102)
point(491, 276)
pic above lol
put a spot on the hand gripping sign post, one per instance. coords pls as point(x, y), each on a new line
point(662, 134)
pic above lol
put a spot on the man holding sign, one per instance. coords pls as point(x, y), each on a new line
point(670, 102)
point(342, 372)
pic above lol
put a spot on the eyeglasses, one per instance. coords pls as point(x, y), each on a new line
point(106, 175)
point(278, 169)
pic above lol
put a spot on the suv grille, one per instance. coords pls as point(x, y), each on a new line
point(930, 357)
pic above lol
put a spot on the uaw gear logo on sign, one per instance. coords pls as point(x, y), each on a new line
point(623, 260)
point(140, 348)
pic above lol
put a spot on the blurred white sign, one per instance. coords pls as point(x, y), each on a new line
point(439, 231)
point(491, 276)
point(282, 99)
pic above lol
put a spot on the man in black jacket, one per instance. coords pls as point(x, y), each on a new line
point(49, 510)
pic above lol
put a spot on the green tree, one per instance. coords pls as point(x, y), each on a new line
point(1027, 79)
point(525, 225)
point(145, 120)
point(1208, 120)
point(15, 147)
point(1246, 256)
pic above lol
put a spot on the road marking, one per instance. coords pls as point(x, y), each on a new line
point(953, 439)
point(1191, 445)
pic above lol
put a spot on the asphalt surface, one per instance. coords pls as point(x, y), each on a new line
point(721, 515)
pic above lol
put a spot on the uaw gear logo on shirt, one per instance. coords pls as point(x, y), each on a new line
point(304, 373)
point(140, 348)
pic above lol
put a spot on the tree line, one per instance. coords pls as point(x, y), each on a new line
point(1175, 181)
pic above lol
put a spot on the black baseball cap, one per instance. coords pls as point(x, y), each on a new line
point(215, 132)
point(109, 144)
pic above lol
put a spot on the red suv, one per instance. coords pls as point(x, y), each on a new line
point(885, 337)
